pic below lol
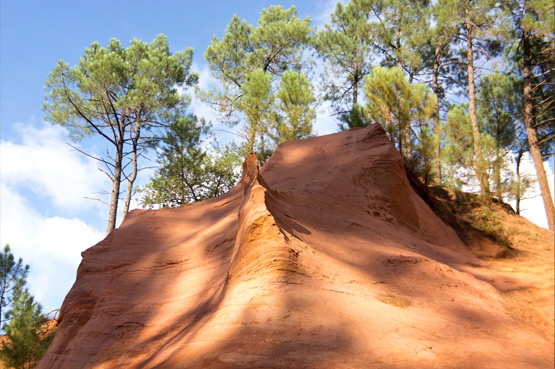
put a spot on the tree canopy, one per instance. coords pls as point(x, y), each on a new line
point(122, 95)
point(12, 275)
point(248, 61)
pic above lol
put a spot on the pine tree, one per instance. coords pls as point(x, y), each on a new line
point(345, 45)
point(27, 338)
point(395, 103)
point(398, 29)
point(296, 101)
point(355, 118)
point(533, 32)
point(478, 17)
point(118, 94)
point(178, 181)
point(458, 152)
point(12, 275)
point(498, 110)
point(255, 56)
point(440, 43)
point(256, 103)
point(187, 172)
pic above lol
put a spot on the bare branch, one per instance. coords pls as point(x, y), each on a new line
point(88, 155)
point(92, 198)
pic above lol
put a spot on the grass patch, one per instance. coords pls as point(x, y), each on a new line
point(483, 215)
point(487, 221)
point(394, 300)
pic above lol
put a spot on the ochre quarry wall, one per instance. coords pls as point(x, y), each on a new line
point(323, 258)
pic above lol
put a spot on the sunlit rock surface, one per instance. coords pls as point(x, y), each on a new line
point(323, 258)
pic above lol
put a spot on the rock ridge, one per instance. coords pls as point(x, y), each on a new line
point(324, 257)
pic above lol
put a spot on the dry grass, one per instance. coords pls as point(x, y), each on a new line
point(535, 261)
point(515, 247)
point(394, 300)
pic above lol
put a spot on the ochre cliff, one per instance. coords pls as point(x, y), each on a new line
point(323, 258)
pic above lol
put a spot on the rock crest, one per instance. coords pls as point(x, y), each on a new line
point(323, 258)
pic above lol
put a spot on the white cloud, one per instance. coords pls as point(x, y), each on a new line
point(46, 165)
point(52, 246)
point(206, 79)
point(325, 123)
point(43, 184)
point(533, 208)
point(324, 12)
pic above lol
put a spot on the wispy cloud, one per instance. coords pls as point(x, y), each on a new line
point(41, 176)
point(52, 246)
point(323, 13)
point(532, 208)
point(44, 164)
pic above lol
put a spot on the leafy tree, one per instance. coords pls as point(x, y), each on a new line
point(355, 118)
point(187, 173)
point(458, 147)
point(27, 337)
point(395, 103)
point(179, 179)
point(222, 168)
point(533, 33)
point(498, 109)
point(295, 104)
point(398, 30)
point(119, 94)
point(423, 103)
point(438, 50)
point(345, 44)
point(522, 183)
point(12, 275)
point(478, 18)
point(248, 60)
point(256, 102)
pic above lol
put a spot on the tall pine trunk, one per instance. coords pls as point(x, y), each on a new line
point(435, 116)
point(479, 166)
point(529, 122)
point(518, 195)
point(116, 181)
point(251, 137)
point(405, 141)
point(356, 80)
point(131, 180)
point(262, 143)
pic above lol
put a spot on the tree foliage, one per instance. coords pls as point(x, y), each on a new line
point(345, 44)
point(122, 95)
point(248, 61)
point(12, 275)
point(499, 110)
point(256, 103)
point(27, 336)
point(533, 32)
point(187, 173)
point(396, 104)
point(399, 30)
point(296, 107)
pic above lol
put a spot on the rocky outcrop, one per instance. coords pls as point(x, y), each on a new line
point(323, 258)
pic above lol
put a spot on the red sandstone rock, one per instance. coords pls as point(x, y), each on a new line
point(325, 258)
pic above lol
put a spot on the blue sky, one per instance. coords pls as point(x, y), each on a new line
point(44, 215)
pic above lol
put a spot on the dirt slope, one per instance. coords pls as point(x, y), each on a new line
point(327, 258)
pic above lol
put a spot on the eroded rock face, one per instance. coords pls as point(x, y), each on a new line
point(323, 258)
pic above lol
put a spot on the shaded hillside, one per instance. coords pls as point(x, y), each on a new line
point(326, 258)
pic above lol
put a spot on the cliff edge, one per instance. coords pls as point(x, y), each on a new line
point(323, 258)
